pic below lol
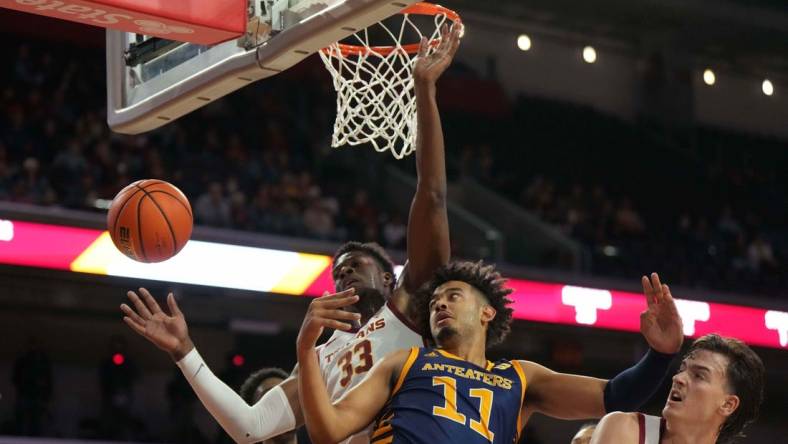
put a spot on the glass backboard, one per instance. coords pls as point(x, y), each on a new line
point(152, 81)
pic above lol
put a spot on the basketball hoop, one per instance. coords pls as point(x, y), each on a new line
point(376, 103)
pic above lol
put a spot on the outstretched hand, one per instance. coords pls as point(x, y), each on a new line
point(661, 324)
point(429, 67)
point(327, 311)
point(168, 332)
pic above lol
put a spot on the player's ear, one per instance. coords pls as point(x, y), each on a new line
point(729, 405)
point(388, 278)
point(488, 313)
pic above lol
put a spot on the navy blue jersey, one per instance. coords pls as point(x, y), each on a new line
point(439, 397)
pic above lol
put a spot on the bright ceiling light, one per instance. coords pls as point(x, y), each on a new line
point(708, 77)
point(524, 42)
point(589, 54)
point(767, 87)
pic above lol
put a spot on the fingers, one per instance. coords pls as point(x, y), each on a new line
point(337, 315)
point(142, 310)
point(657, 285)
point(332, 323)
point(327, 296)
point(422, 53)
point(131, 314)
point(335, 302)
point(174, 310)
point(134, 326)
point(666, 292)
point(648, 290)
point(149, 301)
point(669, 301)
point(455, 39)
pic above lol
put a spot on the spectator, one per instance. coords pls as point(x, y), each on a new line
point(395, 232)
point(213, 208)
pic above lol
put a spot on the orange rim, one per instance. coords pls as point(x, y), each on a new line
point(420, 8)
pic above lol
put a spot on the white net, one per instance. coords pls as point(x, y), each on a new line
point(376, 103)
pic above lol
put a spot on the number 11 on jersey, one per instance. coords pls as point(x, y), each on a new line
point(449, 408)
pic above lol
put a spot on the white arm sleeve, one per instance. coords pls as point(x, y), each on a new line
point(271, 416)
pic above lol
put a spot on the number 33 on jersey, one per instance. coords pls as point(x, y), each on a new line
point(347, 356)
point(442, 398)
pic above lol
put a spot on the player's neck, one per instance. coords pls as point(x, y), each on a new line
point(687, 433)
point(471, 351)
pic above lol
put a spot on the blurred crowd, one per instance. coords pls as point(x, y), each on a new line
point(273, 177)
point(705, 207)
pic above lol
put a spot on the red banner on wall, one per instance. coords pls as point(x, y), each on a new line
point(197, 21)
point(304, 274)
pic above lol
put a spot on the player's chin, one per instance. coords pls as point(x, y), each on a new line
point(671, 408)
point(442, 333)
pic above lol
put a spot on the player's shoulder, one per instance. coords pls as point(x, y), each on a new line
point(618, 427)
point(402, 355)
point(622, 418)
point(532, 369)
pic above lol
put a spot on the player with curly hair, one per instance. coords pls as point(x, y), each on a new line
point(450, 391)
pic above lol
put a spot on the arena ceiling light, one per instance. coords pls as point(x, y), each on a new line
point(709, 77)
point(767, 87)
point(589, 54)
point(524, 42)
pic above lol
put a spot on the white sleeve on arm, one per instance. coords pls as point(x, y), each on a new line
point(271, 416)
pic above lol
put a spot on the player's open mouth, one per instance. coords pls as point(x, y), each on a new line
point(675, 396)
point(442, 318)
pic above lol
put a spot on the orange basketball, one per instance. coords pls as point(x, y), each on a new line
point(150, 220)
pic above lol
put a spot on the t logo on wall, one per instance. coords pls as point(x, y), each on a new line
point(692, 312)
point(6, 230)
point(586, 302)
point(778, 320)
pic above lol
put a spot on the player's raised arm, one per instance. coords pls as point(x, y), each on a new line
point(428, 225)
point(278, 411)
point(326, 422)
point(579, 397)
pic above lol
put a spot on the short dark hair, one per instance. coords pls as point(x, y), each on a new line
point(256, 378)
point(746, 377)
point(484, 278)
point(372, 249)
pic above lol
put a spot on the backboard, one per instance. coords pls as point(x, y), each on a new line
point(152, 81)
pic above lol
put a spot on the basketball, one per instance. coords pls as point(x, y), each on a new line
point(150, 220)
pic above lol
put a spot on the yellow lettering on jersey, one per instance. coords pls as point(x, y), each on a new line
point(469, 373)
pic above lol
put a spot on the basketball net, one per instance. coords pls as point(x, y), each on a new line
point(376, 103)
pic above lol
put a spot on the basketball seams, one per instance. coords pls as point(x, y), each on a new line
point(123, 206)
point(139, 225)
point(155, 182)
point(166, 219)
point(177, 198)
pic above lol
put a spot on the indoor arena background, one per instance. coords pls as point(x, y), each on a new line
point(565, 169)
